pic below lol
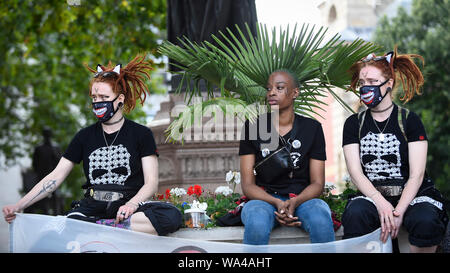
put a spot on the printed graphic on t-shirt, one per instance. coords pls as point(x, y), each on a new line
point(109, 165)
point(381, 159)
point(295, 158)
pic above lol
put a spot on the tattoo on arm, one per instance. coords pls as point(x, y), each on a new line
point(48, 186)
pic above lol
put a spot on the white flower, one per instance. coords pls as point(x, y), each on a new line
point(347, 178)
point(237, 177)
point(229, 176)
point(196, 205)
point(178, 192)
point(225, 190)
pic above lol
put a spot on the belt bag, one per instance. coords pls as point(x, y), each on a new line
point(275, 165)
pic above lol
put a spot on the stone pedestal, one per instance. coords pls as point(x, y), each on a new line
point(204, 160)
point(279, 235)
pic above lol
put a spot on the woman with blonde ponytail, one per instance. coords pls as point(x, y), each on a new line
point(385, 149)
point(119, 159)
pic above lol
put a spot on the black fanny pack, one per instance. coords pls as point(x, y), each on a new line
point(276, 164)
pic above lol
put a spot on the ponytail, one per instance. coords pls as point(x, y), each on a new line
point(409, 73)
point(399, 67)
point(130, 81)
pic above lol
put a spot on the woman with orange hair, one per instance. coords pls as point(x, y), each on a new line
point(385, 149)
point(119, 159)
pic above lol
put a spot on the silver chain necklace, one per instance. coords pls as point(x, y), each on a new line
point(106, 142)
point(381, 134)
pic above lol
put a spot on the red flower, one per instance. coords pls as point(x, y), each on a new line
point(198, 190)
point(160, 197)
point(167, 193)
point(336, 223)
point(190, 191)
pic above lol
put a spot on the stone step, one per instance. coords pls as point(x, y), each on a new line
point(280, 235)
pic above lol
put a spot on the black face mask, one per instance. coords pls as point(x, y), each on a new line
point(104, 110)
point(371, 94)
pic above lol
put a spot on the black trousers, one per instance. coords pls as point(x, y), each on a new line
point(424, 222)
point(165, 217)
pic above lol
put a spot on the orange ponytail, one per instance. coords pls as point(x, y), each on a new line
point(401, 67)
point(130, 81)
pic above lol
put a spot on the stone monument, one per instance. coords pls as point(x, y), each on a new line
point(205, 158)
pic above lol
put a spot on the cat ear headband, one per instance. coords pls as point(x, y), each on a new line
point(388, 56)
point(100, 71)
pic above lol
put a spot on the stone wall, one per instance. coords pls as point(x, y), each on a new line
point(203, 160)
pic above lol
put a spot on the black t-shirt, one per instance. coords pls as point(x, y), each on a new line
point(388, 159)
point(307, 141)
point(117, 167)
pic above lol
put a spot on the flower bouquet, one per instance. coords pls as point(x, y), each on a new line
point(201, 209)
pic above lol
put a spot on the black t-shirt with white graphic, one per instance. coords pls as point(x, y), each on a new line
point(385, 159)
point(307, 141)
point(117, 167)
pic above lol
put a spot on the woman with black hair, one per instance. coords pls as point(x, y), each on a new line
point(280, 195)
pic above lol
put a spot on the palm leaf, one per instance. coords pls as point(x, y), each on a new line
point(195, 112)
point(240, 65)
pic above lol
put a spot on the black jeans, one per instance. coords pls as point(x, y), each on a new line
point(424, 222)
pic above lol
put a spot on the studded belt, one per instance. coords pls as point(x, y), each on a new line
point(108, 196)
point(390, 190)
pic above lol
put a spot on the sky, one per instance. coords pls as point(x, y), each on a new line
point(284, 12)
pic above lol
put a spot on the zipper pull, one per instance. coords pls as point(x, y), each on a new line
point(291, 174)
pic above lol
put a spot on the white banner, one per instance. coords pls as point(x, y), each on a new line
point(42, 233)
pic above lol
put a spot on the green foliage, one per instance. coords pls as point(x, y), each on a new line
point(218, 204)
point(337, 202)
point(425, 31)
point(240, 66)
point(43, 49)
point(221, 205)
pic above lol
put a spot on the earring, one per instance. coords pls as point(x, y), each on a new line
point(388, 89)
point(120, 105)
